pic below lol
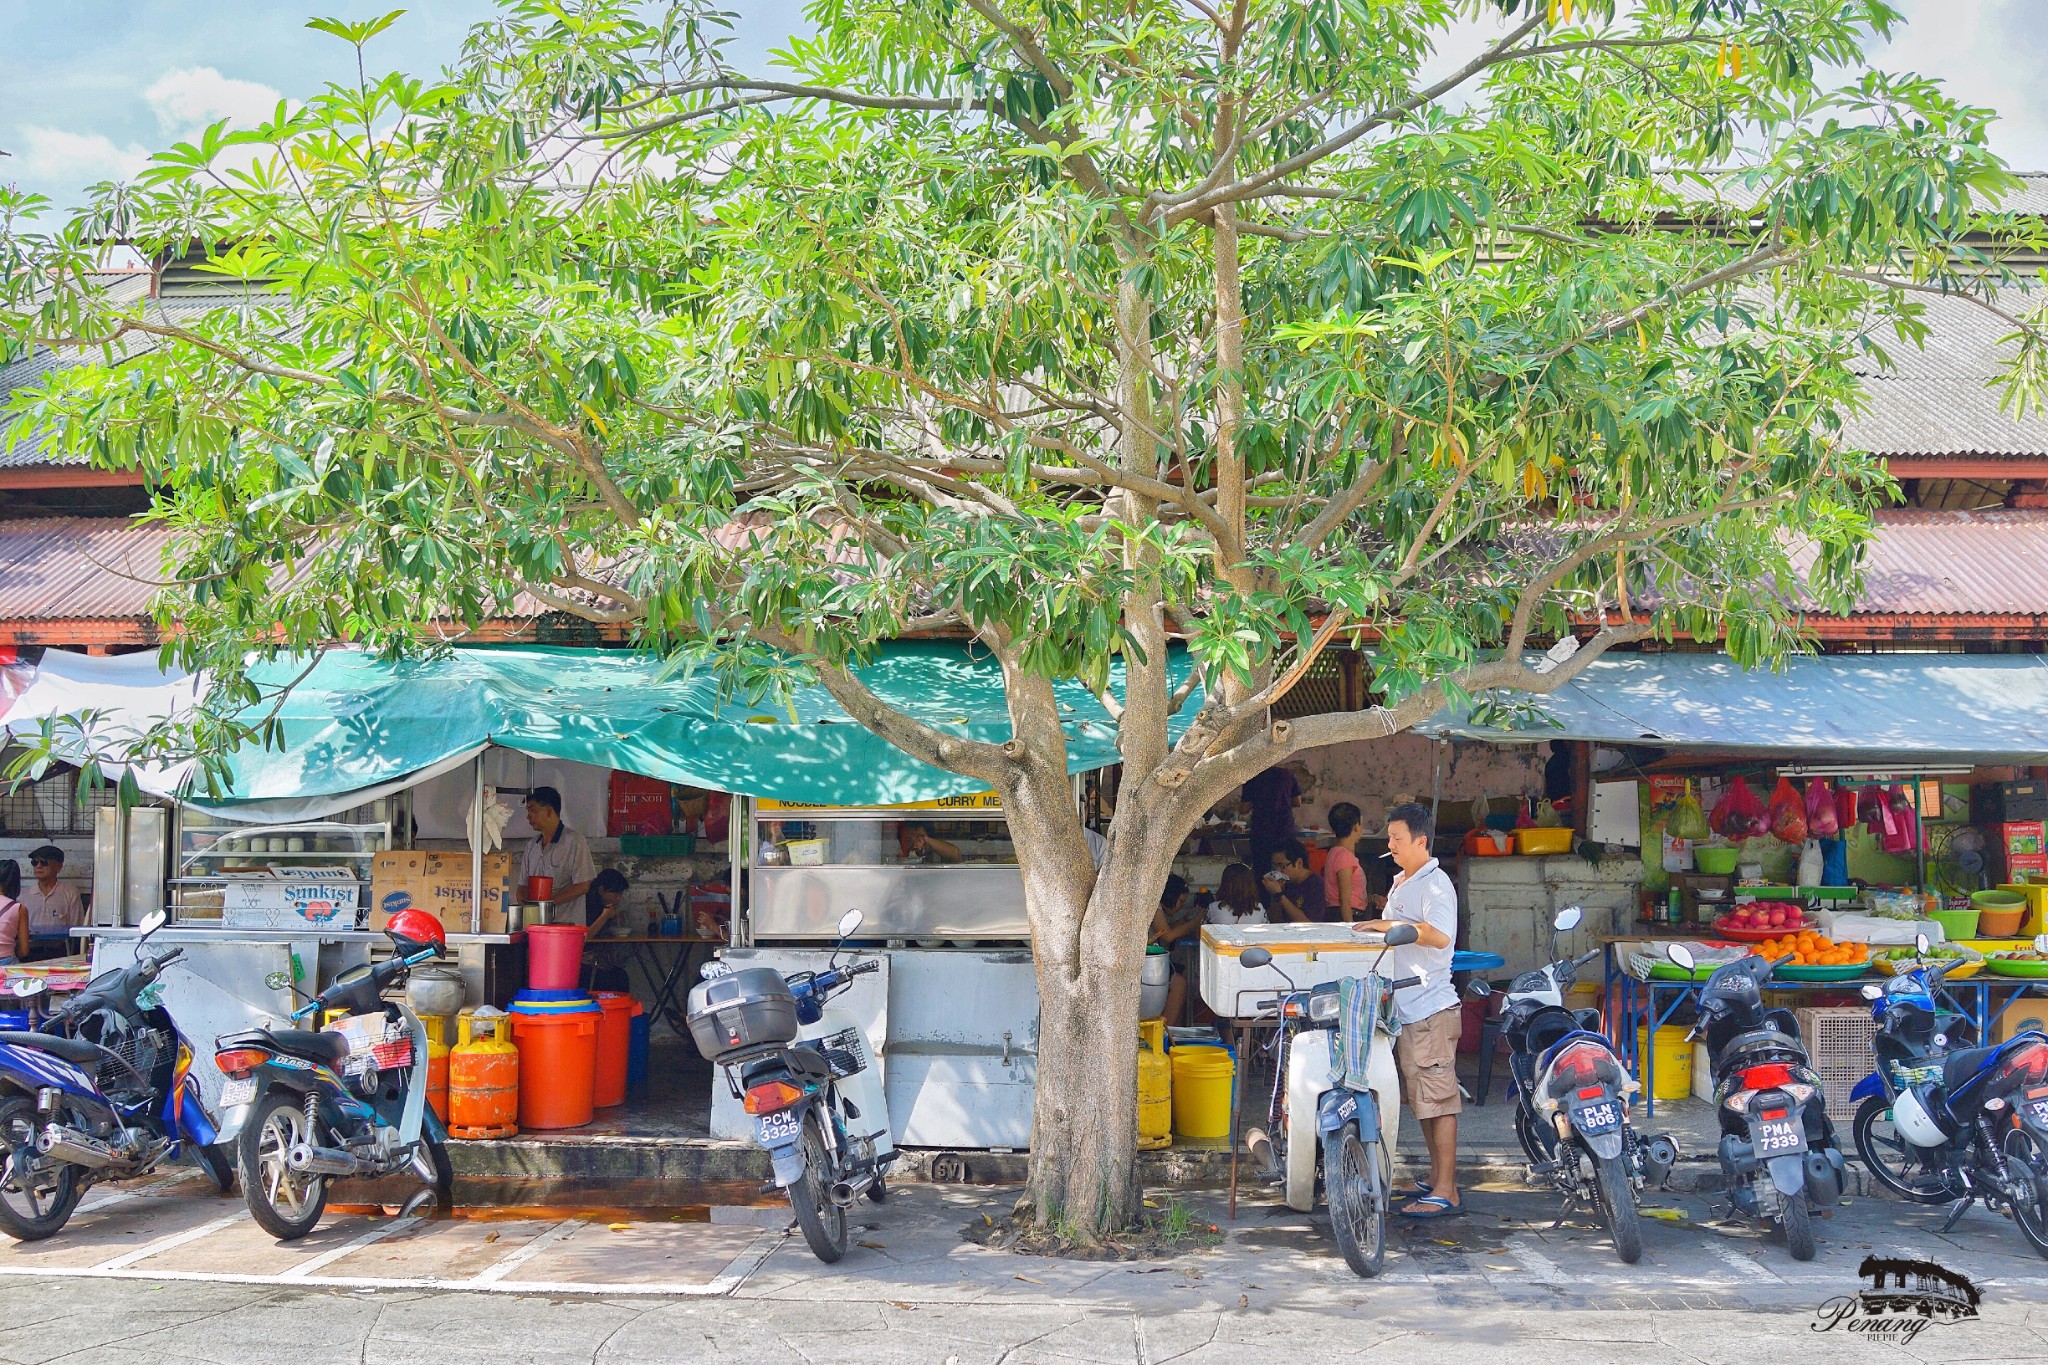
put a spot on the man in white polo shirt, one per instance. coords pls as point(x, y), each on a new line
point(557, 851)
point(1426, 1052)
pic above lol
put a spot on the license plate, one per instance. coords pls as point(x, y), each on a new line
point(2037, 1112)
point(1777, 1137)
point(1597, 1118)
point(238, 1092)
point(775, 1130)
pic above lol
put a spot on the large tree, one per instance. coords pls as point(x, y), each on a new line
point(1085, 328)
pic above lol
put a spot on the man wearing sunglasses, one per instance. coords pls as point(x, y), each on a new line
point(53, 906)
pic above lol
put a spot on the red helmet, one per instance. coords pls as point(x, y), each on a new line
point(419, 929)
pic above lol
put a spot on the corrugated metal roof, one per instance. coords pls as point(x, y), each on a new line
point(1936, 398)
point(68, 568)
point(1992, 561)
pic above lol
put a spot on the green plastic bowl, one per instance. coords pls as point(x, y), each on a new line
point(1957, 924)
point(1998, 900)
point(1717, 862)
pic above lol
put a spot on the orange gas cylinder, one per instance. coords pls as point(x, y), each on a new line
point(483, 1080)
point(437, 1064)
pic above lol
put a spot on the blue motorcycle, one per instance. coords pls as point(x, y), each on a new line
point(1971, 1127)
point(104, 1090)
point(1917, 1024)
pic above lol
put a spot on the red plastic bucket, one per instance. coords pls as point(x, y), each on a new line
point(557, 1068)
point(554, 957)
point(614, 1045)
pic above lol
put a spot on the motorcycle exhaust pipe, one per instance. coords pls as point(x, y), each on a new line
point(843, 1193)
point(1660, 1154)
point(70, 1145)
point(306, 1159)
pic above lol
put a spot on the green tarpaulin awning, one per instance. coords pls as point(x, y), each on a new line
point(355, 724)
point(1923, 708)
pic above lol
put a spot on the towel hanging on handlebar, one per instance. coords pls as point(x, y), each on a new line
point(1358, 1000)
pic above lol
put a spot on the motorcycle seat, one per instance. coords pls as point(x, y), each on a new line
point(1958, 1069)
point(329, 1049)
point(802, 1063)
point(70, 1049)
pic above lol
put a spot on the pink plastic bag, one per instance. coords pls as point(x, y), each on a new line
point(1822, 820)
point(1739, 814)
point(1904, 835)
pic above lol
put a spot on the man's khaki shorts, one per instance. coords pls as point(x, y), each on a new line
point(1426, 1054)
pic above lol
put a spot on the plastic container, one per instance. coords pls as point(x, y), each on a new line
point(1956, 924)
point(737, 1013)
point(557, 1066)
point(483, 1080)
point(1155, 977)
point(1202, 1081)
point(436, 1026)
point(1716, 862)
point(1536, 840)
point(636, 1051)
point(541, 1002)
point(1674, 1060)
point(554, 957)
point(1999, 913)
point(1155, 1098)
point(614, 1047)
point(1490, 844)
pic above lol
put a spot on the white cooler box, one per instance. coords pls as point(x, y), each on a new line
point(1310, 954)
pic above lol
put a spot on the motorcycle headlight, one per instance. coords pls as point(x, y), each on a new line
point(1322, 1007)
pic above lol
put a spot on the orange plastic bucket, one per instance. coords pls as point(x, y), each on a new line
point(557, 1067)
point(614, 1045)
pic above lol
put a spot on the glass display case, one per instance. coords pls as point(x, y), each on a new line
point(208, 853)
point(934, 873)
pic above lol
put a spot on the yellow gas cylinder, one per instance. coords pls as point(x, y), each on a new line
point(1155, 1092)
point(483, 1079)
point(437, 1064)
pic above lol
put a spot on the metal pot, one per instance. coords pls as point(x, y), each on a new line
point(527, 914)
point(437, 991)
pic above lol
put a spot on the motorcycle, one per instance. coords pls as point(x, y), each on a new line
point(1572, 1099)
point(802, 1070)
point(1917, 1024)
point(1778, 1150)
point(104, 1090)
point(1335, 1111)
point(306, 1108)
point(1976, 1131)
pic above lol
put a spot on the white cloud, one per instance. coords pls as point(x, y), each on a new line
point(55, 154)
point(189, 98)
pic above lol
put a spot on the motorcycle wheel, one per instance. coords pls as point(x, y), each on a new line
point(1358, 1202)
point(1897, 1164)
point(823, 1222)
point(1537, 1145)
point(26, 1214)
point(1617, 1199)
point(284, 1204)
point(1798, 1220)
point(2026, 1171)
point(218, 1161)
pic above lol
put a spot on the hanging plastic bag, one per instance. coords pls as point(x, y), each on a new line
point(1547, 816)
point(1846, 814)
point(1822, 821)
point(1739, 814)
point(1875, 809)
point(1905, 834)
point(1788, 813)
point(1688, 821)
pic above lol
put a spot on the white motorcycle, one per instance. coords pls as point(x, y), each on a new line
point(802, 1070)
point(1336, 1105)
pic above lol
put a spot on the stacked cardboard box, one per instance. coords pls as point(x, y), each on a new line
point(441, 884)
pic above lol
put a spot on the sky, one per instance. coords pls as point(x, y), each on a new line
point(92, 87)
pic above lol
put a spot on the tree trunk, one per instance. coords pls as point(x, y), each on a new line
point(1088, 934)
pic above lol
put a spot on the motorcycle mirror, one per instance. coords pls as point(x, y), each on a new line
point(1920, 944)
point(849, 922)
point(1401, 934)
point(1679, 954)
point(1568, 919)
point(1256, 957)
point(153, 921)
point(1478, 990)
point(28, 987)
point(1871, 993)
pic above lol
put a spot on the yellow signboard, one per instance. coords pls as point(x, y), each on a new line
point(965, 801)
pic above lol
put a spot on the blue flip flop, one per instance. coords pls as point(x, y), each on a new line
point(1407, 1196)
point(1433, 1206)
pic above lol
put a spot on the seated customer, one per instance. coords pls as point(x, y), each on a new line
point(601, 901)
point(1237, 898)
point(1297, 892)
point(918, 844)
point(1169, 927)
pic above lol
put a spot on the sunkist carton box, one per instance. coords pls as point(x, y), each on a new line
point(440, 884)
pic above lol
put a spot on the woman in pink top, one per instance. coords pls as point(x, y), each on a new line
point(13, 914)
point(1343, 874)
